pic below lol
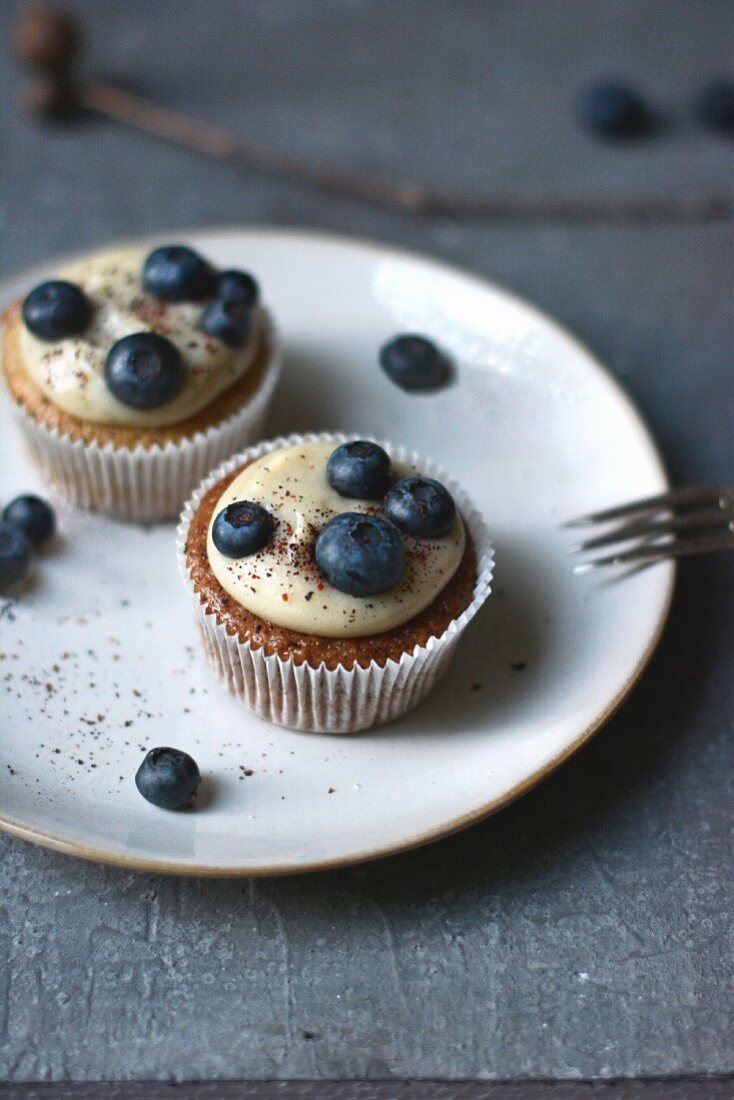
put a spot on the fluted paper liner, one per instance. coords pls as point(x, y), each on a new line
point(146, 484)
point(337, 700)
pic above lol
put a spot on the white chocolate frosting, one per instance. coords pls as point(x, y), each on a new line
point(282, 584)
point(71, 371)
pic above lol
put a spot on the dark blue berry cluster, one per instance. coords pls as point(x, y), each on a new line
point(28, 523)
point(359, 553)
point(56, 309)
point(229, 317)
point(364, 554)
point(168, 778)
point(414, 363)
point(175, 273)
point(612, 109)
point(146, 369)
point(241, 529)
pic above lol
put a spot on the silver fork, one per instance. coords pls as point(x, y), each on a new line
point(697, 520)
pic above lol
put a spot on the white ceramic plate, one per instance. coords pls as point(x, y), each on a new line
point(99, 659)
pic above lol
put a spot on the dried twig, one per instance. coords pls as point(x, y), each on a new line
point(49, 43)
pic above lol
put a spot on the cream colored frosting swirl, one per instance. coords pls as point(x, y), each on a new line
point(282, 584)
point(71, 371)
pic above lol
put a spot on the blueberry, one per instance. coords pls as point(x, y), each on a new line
point(33, 517)
point(167, 778)
point(359, 470)
point(242, 529)
point(144, 370)
point(414, 363)
point(421, 506)
point(56, 309)
point(715, 107)
point(230, 322)
point(176, 273)
point(612, 109)
point(16, 555)
point(237, 286)
point(360, 554)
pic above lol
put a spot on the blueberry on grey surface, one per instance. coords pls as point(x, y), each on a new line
point(175, 273)
point(16, 555)
point(612, 109)
point(144, 370)
point(56, 309)
point(242, 529)
point(421, 506)
point(167, 778)
point(715, 106)
point(359, 470)
point(237, 286)
point(34, 518)
point(360, 554)
point(230, 322)
point(414, 363)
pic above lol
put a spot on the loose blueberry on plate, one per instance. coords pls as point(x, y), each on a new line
point(167, 778)
point(241, 529)
point(421, 506)
point(56, 309)
point(16, 555)
point(175, 273)
point(360, 470)
point(414, 363)
point(33, 517)
point(360, 554)
point(612, 109)
point(715, 107)
point(230, 322)
point(144, 370)
point(237, 286)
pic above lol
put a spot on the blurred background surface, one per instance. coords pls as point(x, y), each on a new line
point(586, 931)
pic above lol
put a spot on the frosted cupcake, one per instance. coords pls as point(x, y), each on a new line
point(134, 372)
point(332, 579)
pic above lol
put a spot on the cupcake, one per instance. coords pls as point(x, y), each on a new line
point(133, 372)
point(331, 578)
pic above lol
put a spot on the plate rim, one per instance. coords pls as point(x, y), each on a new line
point(88, 852)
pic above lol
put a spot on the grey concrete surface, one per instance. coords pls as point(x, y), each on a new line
point(667, 1088)
point(586, 931)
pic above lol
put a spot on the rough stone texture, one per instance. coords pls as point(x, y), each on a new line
point(586, 931)
point(681, 1088)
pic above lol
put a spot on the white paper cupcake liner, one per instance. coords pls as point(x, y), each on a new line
point(319, 699)
point(146, 484)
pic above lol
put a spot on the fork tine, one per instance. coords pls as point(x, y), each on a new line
point(721, 496)
point(652, 527)
point(651, 552)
